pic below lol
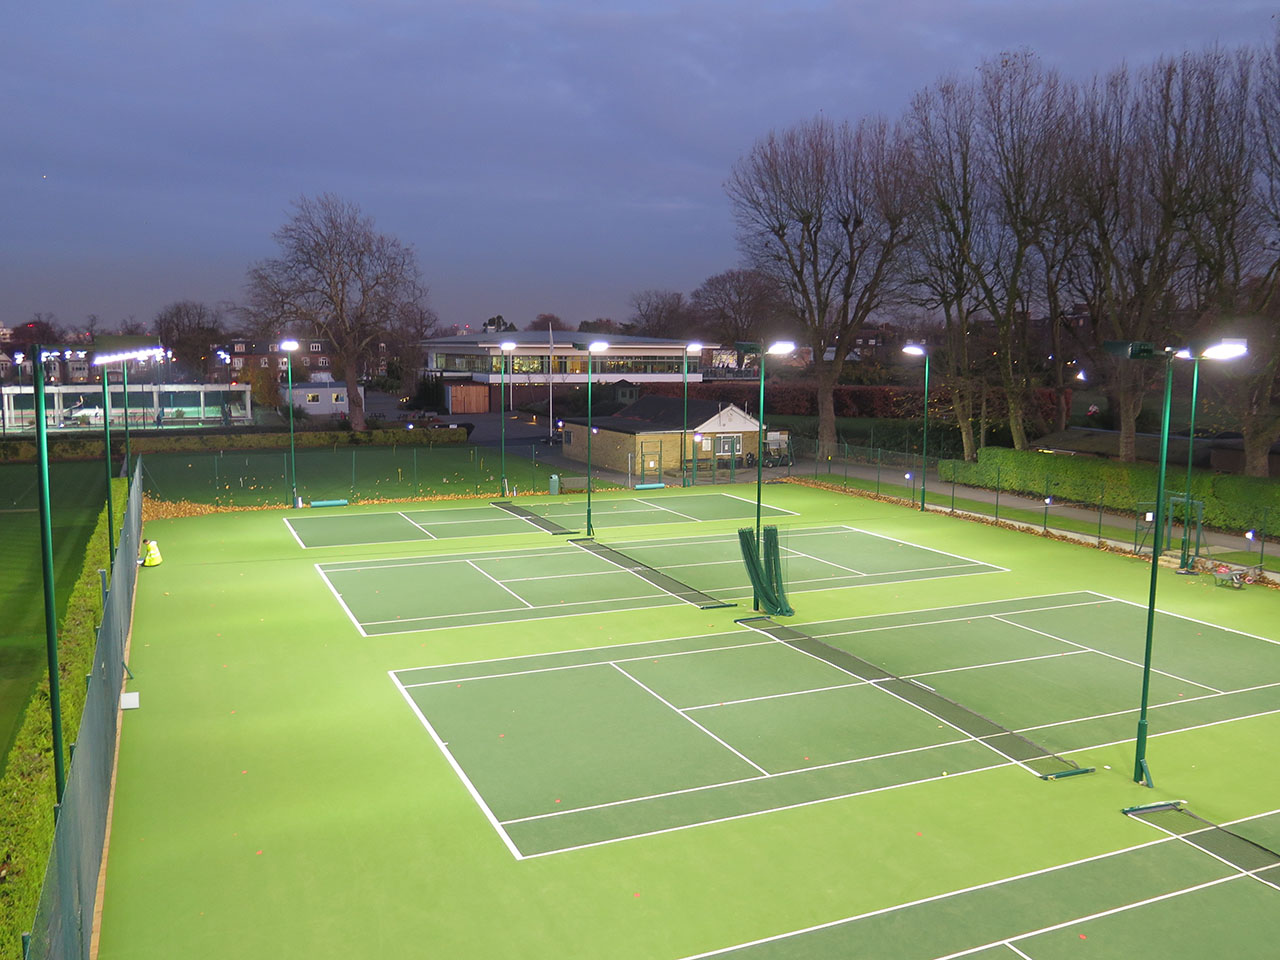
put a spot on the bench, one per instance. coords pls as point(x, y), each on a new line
point(573, 483)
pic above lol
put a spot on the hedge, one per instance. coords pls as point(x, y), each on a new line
point(1230, 502)
point(90, 448)
point(27, 791)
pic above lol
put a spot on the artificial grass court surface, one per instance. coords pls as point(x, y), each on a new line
point(277, 796)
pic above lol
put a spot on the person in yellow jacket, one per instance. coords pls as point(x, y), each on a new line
point(150, 554)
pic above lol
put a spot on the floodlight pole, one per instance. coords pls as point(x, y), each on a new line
point(128, 454)
point(760, 450)
point(1141, 771)
point(1184, 562)
point(506, 346)
point(106, 455)
point(46, 552)
point(293, 453)
point(924, 443)
point(590, 531)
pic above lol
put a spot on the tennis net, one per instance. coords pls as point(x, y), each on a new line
point(671, 585)
point(542, 523)
point(1030, 755)
point(1227, 845)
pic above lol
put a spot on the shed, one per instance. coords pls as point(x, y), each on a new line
point(646, 437)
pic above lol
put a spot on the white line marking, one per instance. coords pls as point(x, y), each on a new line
point(574, 666)
point(418, 525)
point(457, 769)
point(1017, 951)
point(669, 510)
point(1203, 623)
point(790, 513)
point(831, 563)
point(878, 685)
point(948, 895)
point(634, 573)
point(776, 696)
point(774, 776)
point(1195, 846)
point(667, 703)
point(294, 532)
point(1103, 653)
point(342, 603)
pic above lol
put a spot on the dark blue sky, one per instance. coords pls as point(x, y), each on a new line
point(540, 156)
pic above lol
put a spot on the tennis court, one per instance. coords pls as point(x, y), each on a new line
point(561, 516)
point(399, 743)
point(588, 746)
point(398, 594)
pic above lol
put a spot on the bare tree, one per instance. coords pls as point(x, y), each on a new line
point(658, 313)
point(189, 328)
point(739, 305)
point(338, 276)
point(822, 209)
point(547, 321)
point(944, 132)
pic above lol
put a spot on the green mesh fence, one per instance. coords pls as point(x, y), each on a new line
point(357, 473)
point(63, 924)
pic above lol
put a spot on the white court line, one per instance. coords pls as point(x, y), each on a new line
point(637, 575)
point(519, 620)
point(915, 706)
point(294, 532)
point(830, 563)
point(574, 666)
point(418, 525)
point(669, 510)
point(457, 769)
point(790, 513)
point(777, 696)
point(1223, 860)
point(908, 543)
point(342, 603)
point(1017, 951)
point(1103, 653)
point(1171, 733)
point(775, 776)
point(527, 606)
point(758, 813)
point(1203, 623)
point(1154, 706)
point(936, 898)
point(602, 646)
point(667, 703)
point(957, 606)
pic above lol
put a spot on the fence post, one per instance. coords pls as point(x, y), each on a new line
point(997, 517)
point(1102, 488)
point(878, 452)
point(1262, 537)
point(1044, 527)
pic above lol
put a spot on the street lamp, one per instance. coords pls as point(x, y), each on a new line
point(916, 350)
point(507, 347)
point(288, 346)
point(691, 347)
point(1143, 350)
point(1224, 350)
point(594, 347)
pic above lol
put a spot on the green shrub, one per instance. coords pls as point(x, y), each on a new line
point(1230, 502)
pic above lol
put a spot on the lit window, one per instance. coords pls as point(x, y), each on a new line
point(324, 361)
point(284, 363)
point(339, 398)
point(263, 362)
point(237, 363)
point(306, 361)
point(239, 348)
point(314, 347)
point(313, 398)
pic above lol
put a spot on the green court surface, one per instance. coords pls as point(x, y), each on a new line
point(360, 743)
point(386, 595)
point(351, 529)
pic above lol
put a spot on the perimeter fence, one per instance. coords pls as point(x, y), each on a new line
point(63, 924)
point(1079, 497)
point(250, 478)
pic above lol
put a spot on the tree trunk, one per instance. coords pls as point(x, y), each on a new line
point(355, 402)
point(962, 404)
point(1258, 440)
point(827, 375)
point(1126, 401)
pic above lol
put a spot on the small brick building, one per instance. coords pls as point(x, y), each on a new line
point(645, 437)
